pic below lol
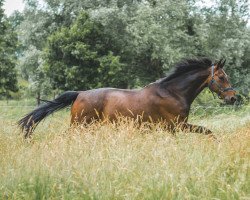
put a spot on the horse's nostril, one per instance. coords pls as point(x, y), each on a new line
point(233, 99)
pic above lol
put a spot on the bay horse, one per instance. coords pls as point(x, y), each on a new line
point(168, 99)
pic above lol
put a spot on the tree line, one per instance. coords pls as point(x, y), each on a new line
point(84, 44)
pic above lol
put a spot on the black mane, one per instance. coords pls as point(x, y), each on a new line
point(186, 66)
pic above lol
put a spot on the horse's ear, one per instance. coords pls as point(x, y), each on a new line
point(223, 63)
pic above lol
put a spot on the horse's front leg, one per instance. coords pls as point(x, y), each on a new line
point(196, 129)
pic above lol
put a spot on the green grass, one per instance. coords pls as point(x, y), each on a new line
point(107, 161)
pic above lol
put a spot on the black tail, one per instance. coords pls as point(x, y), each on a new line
point(31, 120)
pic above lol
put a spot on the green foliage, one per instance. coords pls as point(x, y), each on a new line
point(8, 44)
point(76, 57)
point(150, 36)
point(110, 69)
point(225, 34)
point(140, 40)
point(31, 69)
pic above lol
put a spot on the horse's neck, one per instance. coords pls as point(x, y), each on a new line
point(188, 87)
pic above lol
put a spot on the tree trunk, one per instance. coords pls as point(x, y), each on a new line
point(38, 98)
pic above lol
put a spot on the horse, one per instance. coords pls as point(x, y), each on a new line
point(168, 99)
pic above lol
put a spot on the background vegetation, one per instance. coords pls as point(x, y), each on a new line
point(83, 44)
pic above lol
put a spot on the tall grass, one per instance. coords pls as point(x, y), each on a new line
point(122, 161)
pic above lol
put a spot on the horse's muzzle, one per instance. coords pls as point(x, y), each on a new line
point(230, 99)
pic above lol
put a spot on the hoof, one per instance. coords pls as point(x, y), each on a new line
point(208, 132)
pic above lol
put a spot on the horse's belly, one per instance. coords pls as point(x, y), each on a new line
point(132, 106)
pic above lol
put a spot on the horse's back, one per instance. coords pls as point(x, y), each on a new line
point(98, 103)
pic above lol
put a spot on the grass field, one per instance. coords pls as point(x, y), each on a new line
point(125, 162)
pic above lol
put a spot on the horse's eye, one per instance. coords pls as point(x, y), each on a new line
point(221, 78)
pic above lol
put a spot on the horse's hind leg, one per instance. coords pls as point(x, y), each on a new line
point(78, 113)
point(80, 117)
point(83, 112)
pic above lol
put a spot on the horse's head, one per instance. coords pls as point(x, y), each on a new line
point(218, 82)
